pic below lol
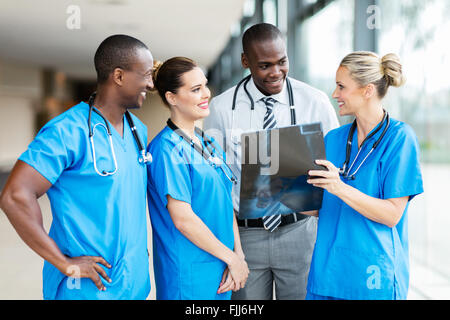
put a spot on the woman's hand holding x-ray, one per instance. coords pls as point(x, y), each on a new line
point(326, 179)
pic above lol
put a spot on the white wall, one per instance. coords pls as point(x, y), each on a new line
point(16, 128)
point(20, 94)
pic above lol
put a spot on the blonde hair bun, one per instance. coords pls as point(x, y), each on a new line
point(392, 69)
point(367, 67)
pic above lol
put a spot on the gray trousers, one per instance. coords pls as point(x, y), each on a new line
point(281, 258)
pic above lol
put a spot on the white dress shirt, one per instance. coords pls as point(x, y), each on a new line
point(226, 126)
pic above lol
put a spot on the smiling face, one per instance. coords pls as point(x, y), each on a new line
point(348, 93)
point(191, 100)
point(137, 80)
point(268, 64)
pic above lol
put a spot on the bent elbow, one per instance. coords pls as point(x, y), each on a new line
point(393, 221)
point(5, 199)
point(2, 200)
point(11, 198)
point(181, 224)
point(181, 215)
point(391, 224)
point(178, 224)
point(186, 226)
point(396, 211)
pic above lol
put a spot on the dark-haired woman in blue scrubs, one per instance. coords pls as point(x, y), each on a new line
point(197, 252)
point(361, 250)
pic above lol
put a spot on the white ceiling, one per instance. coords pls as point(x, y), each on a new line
point(36, 32)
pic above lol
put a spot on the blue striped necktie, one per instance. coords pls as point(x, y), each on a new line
point(273, 221)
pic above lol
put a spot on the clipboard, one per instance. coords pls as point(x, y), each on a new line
point(274, 170)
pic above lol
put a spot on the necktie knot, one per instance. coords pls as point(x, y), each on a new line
point(269, 118)
point(269, 102)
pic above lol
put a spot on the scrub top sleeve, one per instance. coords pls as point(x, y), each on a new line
point(47, 153)
point(170, 174)
point(402, 175)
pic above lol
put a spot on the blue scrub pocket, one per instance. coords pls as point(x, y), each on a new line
point(362, 275)
point(205, 279)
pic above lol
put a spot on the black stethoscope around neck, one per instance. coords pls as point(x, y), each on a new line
point(143, 158)
point(209, 154)
point(252, 102)
point(344, 171)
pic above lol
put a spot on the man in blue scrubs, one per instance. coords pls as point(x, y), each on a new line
point(97, 245)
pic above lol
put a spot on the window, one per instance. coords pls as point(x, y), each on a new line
point(418, 32)
point(270, 11)
point(322, 41)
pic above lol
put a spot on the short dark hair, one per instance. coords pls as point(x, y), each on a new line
point(167, 75)
point(258, 33)
point(115, 51)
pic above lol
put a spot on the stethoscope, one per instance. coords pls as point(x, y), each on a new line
point(144, 157)
point(252, 102)
point(344, 171)
point(208, 154)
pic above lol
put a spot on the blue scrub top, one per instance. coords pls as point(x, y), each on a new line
point(94, 215)
point(354, 257)
point(183, 270)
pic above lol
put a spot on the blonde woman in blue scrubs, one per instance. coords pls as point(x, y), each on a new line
point(197, 251)
point(361, 250)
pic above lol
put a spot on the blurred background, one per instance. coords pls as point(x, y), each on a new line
point(46, 66)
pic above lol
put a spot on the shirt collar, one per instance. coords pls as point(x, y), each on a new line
point(257, 95)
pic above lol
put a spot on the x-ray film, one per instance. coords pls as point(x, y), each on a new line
point(274, 170)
